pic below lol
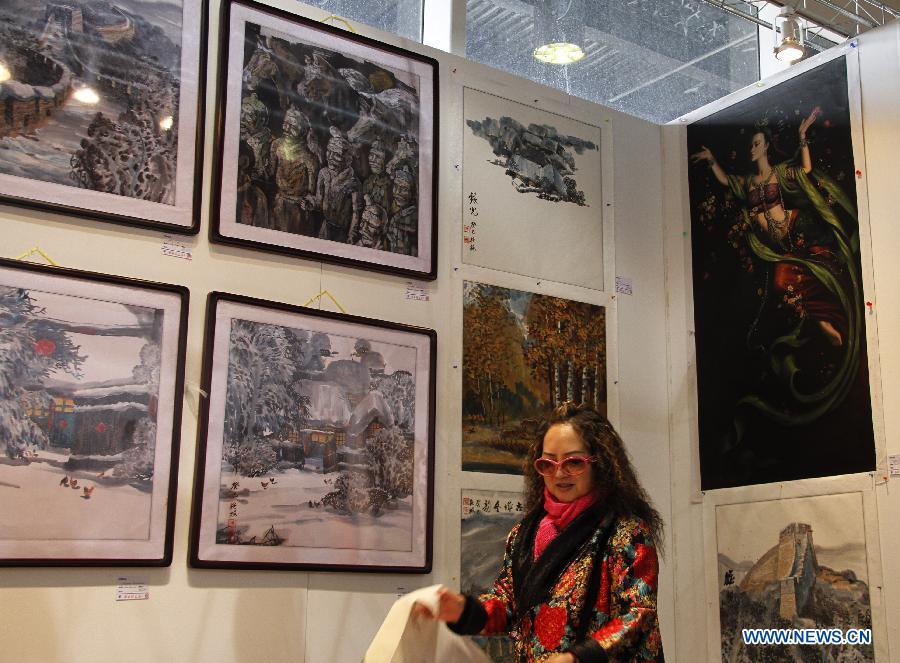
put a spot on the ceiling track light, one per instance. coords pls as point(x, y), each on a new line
point(790, 47)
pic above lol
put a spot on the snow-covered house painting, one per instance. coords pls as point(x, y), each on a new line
point(320, 433)
point(82, 377)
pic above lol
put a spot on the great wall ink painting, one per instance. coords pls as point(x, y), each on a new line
point(328, 143)
point(782, 361)
point(523, 354)
point(535, 177)
point(88, 415)
point(99, 105)
point(793, 563)
point(318, 445)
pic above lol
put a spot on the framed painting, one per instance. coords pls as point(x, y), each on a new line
point(103, 107)
point(523, 354)
point(316, 445)
point(326, 144)
point(90, 416)
point(782, 353)
point(536, 176)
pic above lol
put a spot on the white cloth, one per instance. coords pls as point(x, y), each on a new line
point(406, 638)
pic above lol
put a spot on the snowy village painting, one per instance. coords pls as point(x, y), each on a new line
point(793, 563)
point(328, 143)
point(537, 177)
point(89, 417)
point(318, 446)
point(487, 516)
point(523, 354)
point(100, 107)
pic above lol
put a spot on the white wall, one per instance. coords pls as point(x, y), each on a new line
point(71, 615)
point(879, 62)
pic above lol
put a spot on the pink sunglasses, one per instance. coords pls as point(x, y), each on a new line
point(571, 465)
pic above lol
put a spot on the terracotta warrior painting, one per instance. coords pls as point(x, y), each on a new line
point(793, 564)
point(328, 145)
point(778, 302)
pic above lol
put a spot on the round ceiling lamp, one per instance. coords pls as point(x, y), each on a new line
point(559, 31)
point(790, 44)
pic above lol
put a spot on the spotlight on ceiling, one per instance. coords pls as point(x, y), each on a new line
point(790, 42)
point(5, 73)
point(559, 31)
point(166, 123)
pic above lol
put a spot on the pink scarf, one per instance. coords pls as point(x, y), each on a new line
point(559, 515)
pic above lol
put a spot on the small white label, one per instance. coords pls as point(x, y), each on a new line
point(132, 590)
point(623, 285)
point(894, 465)
point(176, 248)
point(417, 292)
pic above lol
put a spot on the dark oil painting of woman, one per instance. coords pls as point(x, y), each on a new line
point(778, 303)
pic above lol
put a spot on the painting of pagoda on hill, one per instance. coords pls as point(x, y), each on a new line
point(88, 415)
point(794, 564)
point(318, 441)
point(524, 354)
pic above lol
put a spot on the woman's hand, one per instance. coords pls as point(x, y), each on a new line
point(704, 155)
point(450, 606)
point(807, 123)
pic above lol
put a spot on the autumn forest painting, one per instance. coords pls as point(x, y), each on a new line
point(523, 354)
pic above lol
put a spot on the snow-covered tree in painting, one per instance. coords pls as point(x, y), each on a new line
point(31, 347)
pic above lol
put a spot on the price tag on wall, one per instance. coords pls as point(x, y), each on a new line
point(894, 465)
point(132, 590)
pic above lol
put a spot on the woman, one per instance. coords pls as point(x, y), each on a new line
point(579, 576)
point(792, 213)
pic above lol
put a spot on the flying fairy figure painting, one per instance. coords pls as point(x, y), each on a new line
point(782, 370)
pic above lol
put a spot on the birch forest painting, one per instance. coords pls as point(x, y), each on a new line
point(523, 354)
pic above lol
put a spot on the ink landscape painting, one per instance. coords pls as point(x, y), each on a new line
point(86, 416)
point(93, 101)
point(324, 446)
point(793, 563)
point(535, 176)
point(487, 517)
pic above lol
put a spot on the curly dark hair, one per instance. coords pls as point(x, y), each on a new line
point(615, 481)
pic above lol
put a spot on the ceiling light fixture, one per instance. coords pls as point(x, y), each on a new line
point(5, 73)
point(790, 42)
point(559, 29)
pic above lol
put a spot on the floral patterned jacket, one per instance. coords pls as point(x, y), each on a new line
point(623, 625)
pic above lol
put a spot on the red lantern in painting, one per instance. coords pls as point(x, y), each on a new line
point(44, 347)
point(100, 428)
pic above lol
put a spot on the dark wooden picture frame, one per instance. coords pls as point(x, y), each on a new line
point(126, 100)
point(90, 411)
point(318, 427)
point(294, 94)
